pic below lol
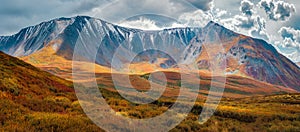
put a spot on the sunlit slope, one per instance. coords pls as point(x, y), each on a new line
point(235, 86)
point(259, 113)
point(244, 56)
point(35, 100)
point(48, 60)
point(19, 77)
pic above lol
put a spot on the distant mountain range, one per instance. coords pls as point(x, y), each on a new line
point(245, 56)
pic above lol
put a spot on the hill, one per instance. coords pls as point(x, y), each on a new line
point(35, 100)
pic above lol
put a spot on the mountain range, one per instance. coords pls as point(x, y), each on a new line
point(32, 99)
point(244, 56)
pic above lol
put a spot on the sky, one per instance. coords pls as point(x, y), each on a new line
point(275, 21)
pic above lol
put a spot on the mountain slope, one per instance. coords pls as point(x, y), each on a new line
point(18, 77)
point(34, 38)
point(245, 56)
point(39, 101)
point(35, 100)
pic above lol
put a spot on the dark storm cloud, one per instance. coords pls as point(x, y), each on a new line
point(16, 14)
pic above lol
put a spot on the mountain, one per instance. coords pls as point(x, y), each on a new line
point(245, 56)
point(34, 38)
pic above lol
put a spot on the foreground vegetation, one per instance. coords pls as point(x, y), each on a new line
point(60, 113)
point(265, 113)
point(33, 100)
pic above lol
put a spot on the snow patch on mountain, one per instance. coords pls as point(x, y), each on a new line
point(252, 57)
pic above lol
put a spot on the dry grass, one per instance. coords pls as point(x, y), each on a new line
point(33, 100)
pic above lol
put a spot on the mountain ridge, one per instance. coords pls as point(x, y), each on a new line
point(245, 55)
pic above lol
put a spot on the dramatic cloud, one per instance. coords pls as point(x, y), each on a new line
point(17, 14)
point(253, 26)
point(150, 24)
point(278, 10)
point(123, 9)
point(260, 31)
point(257, 18)
point(197, 18)
point(238, 23)
point(204, 5)
point(143, 23)
point(147, 20)
point(290, 42)
point(291, 37)
point(247, 7)
point(245, 22)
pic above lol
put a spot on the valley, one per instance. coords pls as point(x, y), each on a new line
point(43, 102)
point(41, 64)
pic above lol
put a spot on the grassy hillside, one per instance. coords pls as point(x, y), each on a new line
point(34, 100)
point(47, 60)
point(261, 113)
point(237, 86)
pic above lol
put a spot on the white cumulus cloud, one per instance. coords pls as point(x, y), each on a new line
point(148, 24)
point(247, 7)
point(197, 18)
point(278, 10)
point(291, 37)
point(260, 30)
point(290, 40)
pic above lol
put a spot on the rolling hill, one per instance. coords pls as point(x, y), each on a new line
point(35, 100)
